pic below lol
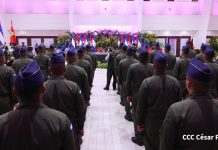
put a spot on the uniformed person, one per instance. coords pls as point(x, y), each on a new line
point(136, 74)
point(85, 56)
point(93, 57)
point(118, 58)
point(208, 56)
point(200, 56)
point(51, 50)
point(110, 59)
point(43, 61)
point(192, 124)
point(32, 125)
point(77, 74)
point(85, 65)
point(119, 51)
point(65, 96)
point(156, 94)
point(180, 70)
point(122, 75)
point(6, 85)
point(171, 60)
point(154, 51)
point(192, 52)
point(22, 61)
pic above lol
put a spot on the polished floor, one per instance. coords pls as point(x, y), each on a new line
point(105, 126)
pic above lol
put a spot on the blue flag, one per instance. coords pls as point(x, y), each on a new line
point(1, 36)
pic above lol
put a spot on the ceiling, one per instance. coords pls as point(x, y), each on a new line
point(113, 7)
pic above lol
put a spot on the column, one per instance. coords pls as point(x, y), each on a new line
point(139, 15)
point(200, 36)
point(71, 15)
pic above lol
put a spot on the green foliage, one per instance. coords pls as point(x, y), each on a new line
point(106, 41)
point(214, 44)
point(63, 38)
point(149, 38)
point(102, 65)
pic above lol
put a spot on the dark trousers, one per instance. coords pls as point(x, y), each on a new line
point(109, 76)
point(138, 135)
point(124, 99)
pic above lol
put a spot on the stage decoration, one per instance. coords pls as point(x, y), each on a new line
point(103, 39)
point(214, 44)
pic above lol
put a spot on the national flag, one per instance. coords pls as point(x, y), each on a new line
point(129, 39)
point(1, 36)
point(126, 40)
point(133, 39)
point(80, 40)
point(12, 36)
point(93, 41)
point(73, 41)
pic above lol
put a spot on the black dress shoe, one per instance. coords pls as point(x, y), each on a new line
point(106, 88)
point(134, 140)
point(128, 118)
point(118, 93)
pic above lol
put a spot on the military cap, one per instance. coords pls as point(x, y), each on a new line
point(199, 71)
point(29, 78)
point(209, 52)
point(185, 49)
point(71, 51)
point(57, 58)
point(160, 58)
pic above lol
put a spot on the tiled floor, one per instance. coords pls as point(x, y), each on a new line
point(105, 127)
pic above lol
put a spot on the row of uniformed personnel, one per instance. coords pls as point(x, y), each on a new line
point(45, 80)
point(148, 90)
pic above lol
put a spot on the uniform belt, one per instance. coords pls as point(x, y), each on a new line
point(5, 95)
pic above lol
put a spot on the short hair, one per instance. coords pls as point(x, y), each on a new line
point(57, 69)
point(28, 96)
point(143, 56)
point(198, 85)
point(160, 68)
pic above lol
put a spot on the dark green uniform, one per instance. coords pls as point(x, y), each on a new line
point(34, 126)
point(118, 52)
point(199, 57)
point(78, 75)
point(214, 83)
point(192, 54)
point(196, 115)
point(20, 63)
point(6, 85)
point(136, 74)
point(118, 58)
point(111, 70)
point(88, 58)
point(122, 75)
point(180, 72)
point(171, 61)
point(94, 60)
point(151, 56)
point(65, 96)
point(43, 62)
point(156, 94)
point(88, 68)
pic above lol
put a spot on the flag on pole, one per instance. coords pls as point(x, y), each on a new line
point(93, 41)
point(1, 36)
point(12, 36)
point(126, 40)
point(73, 41)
